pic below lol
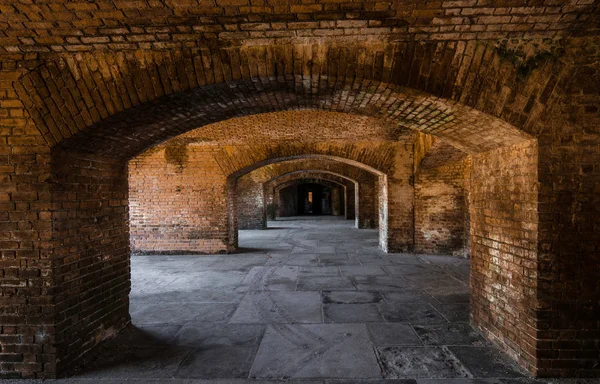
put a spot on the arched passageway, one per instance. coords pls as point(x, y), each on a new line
point(85, 117)
point(349, 188)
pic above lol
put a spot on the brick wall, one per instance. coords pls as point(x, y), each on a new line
point(441, 210)
point(251, 210)
point(396, 196)
point(90, 253)
point(569, 226)
point(178, 201)
point(95, 79)
point(27, 327)
point(178, 192)
point(504, 248)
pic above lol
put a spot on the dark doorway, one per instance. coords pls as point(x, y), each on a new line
point(314, 199)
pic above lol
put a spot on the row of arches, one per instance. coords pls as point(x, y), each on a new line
point(82, 181)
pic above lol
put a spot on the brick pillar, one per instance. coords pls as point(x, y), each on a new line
point(27, 330)
point(90, 256)
point(504, 257)
point(568, 290)
point(396, 197)
point(351, 201)
point(367, 214)
point(250, 203)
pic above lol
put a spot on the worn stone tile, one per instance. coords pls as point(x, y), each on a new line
point(127, 362)
point(279, 307)
point(181, 313)
point(486, 362)
point(454, 312)
point(303, 259)
point(217, 362)
point(240, 262)
point(374, 260)
point(201, 335)
point(408, 296)
point(325, 283)
point(449, 334)
point(335, 260)
point(453, 298)
point(282, 278)
point(392, 334)
point(414, 313)
point(147, 336)
point(498, 381)
point(189, 296)
point(368, 381)
point(362, 270)
point(412, 269)
point(404, 258)
point(318, 271)
point(417, 362)
point(208, 279)
point(316, 351)
point(379, 283)
point(351, 297)
point(351, 313)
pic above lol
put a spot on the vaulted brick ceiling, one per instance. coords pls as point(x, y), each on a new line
point(53, 26)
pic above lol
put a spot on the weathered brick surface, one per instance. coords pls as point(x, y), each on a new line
point(48, 27)
point(569, 229)
point(274, 78)
point(441, 206)
point(504, 258)
point(115, 78)
point(27, 326)
point(90, 254)
point(178, 192)
point(178, 201)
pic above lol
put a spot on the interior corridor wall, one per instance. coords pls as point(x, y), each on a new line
point(442, 210)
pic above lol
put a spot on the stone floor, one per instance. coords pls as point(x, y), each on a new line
point(307, 300)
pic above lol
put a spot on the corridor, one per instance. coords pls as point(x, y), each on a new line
point(308, 299)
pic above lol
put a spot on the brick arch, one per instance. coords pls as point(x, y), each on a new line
point(453, 106)
point(333, 185)
point(351, 187)
point(249, 187)
point(353, 161)
point(122, 104)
